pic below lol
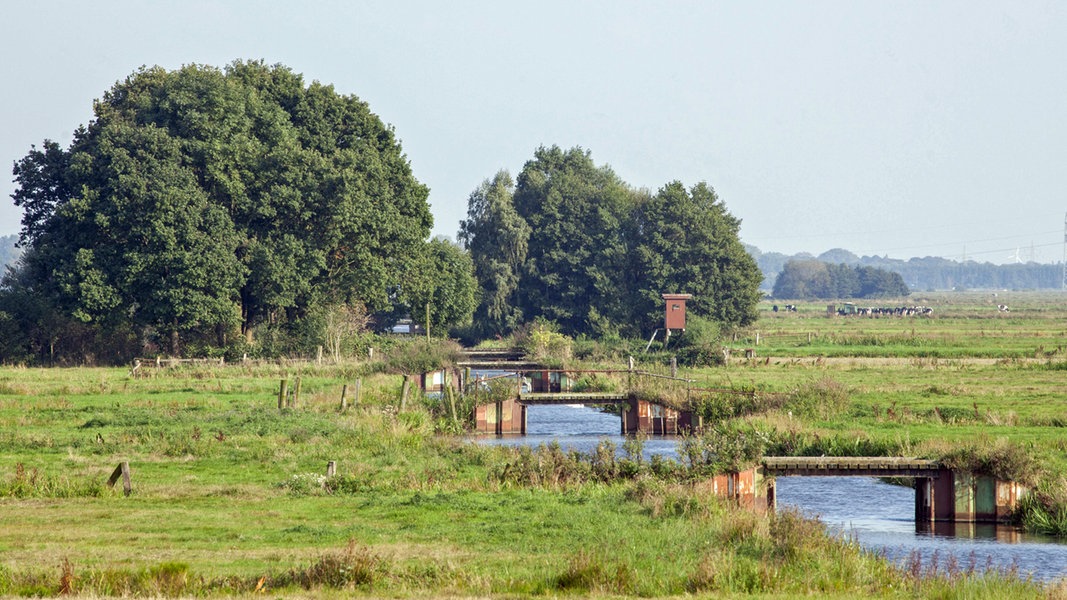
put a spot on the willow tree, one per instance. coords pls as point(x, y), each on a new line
point(496, 238)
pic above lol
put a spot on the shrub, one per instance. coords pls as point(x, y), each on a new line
point(700, 345)
point(727, 446)
point(542, 341)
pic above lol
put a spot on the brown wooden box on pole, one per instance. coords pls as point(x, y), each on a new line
point(675, 310)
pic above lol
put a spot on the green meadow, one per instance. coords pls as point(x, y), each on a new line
point(230, 495)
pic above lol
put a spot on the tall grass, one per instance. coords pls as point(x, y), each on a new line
point(32, 483)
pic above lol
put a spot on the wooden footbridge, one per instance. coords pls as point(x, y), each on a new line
point(941, 494)
point(536, 384)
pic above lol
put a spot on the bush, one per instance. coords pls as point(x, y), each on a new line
point(421, 356)
point(701, 344)
point(542, 341)
point(728, 446)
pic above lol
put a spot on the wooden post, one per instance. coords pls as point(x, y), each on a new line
point(318, 359)
point(674, 366)
point(123, 471)
point(344, 396)
point(757, 338)
point(331, 468)
point(404, 392)
point(450, 393)
point(282, 393)
point(296, 393)
point(629, 381)
point(359, 392)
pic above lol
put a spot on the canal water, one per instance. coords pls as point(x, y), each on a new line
point(877, 515)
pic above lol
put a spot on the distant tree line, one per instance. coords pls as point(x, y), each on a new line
point(206, 210)
point(811, 279)
point(927, 273)
point(571, 243)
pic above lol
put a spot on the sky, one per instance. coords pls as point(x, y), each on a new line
point(901, 129)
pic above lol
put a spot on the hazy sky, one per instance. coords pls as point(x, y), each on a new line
point(891, 128)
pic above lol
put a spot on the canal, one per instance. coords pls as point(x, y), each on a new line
point(879, 516)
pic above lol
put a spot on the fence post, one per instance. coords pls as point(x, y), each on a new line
point(123, 471)
point(359, 392)
point(296, 393)
point(282, 392)
point(331, 468)
point(674, 366)
point(630, 378)
point(344, 396)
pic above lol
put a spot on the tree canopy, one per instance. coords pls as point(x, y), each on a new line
point(575, 245)
point(202, 201)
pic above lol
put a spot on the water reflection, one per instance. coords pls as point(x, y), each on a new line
point(880, 517)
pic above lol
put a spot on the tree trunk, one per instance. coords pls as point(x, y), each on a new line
point(174, 347)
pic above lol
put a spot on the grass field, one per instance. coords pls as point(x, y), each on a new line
point(230, 494)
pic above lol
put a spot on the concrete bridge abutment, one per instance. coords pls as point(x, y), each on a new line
point(643, 416)
point(500, 417)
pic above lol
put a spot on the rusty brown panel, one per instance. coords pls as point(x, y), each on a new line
point(944, 496)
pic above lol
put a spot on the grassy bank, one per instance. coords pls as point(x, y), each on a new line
point(230, 497)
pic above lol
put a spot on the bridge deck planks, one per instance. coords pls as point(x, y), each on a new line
point(572, 398)
point(851, 466)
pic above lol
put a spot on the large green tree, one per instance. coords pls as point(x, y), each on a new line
point(687, 242)
point(201, 198)
point(577, 252)
point(443, 283)
point(497, 238)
